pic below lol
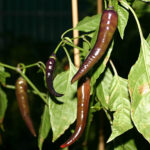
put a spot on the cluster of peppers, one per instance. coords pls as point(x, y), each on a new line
point(107, 28)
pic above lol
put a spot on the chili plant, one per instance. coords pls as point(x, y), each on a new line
point(125, 100)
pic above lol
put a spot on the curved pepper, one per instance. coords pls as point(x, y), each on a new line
point(50, 66)
point(83, 94)
point(107, 28)
point(22, 99)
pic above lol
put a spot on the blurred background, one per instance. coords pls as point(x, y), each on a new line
point(33, 28)
point(29, 31)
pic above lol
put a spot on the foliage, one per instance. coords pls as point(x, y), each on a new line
point(125, 102)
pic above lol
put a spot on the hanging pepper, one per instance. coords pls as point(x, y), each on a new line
point(83, 94)
point(22, 99)
point(50, 66)
point(107, 28)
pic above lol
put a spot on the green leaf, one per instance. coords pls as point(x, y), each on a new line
point(101, 68)
point(123, 16)
point(124, 1)
point(103, 88)
point(139, 87)
point(94, 38)
point(141, 8)
point(86, 47)
point(89, 24)
point(3, 75)
point(44, 127)
point(115, 4)
point(120, 103)
point(91, 34)
point(3, 104)
point(63, 114)
point(126, 145)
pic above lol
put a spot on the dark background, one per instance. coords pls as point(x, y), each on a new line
point(29, 31)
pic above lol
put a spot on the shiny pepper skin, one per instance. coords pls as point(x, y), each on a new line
point(83, 94)
point(50, 66)
point(108, 25)
point(22, 99)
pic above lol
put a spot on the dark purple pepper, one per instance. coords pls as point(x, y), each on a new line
point(50, 66)
point(108, 25)
point(22, 99)
point(83, 94)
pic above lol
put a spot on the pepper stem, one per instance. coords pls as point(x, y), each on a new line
point(56, 49)
point(110, 4)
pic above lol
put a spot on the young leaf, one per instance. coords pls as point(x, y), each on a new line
point(120, 103)
point(89, 24)
point(3, 104)
point(102, 90)
point(44, 126)
point(3, 75)
point(123, 16)
point(139, 87)
point(64, 114)
point(102, 67)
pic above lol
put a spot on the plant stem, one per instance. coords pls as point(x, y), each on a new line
point(62, 36)
point(113, 67)
point(105, 4)
point(31, 65)
point(84, 39)
point(8, 66)
point(136, 19)
point(39, 64)
point(12, 87)
point(27, 79)
point(56, 49)
point(108, 116)
point(110, 3)
point(72, 45)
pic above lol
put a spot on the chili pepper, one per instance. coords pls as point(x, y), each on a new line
point(107, 28)
point(22, 99)
point(50, 66)
point(83, 94)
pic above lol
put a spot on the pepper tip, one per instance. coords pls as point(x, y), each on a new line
point(62, 146)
